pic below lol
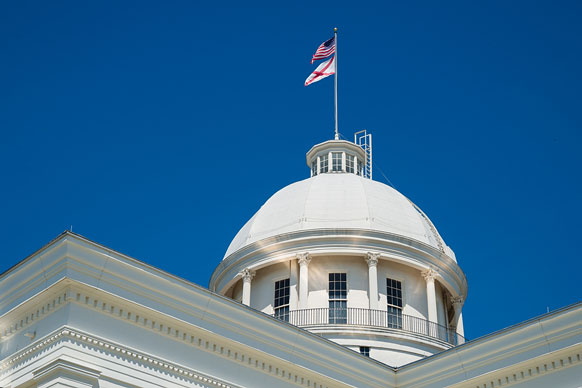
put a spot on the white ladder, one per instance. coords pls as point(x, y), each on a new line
point(364, 140)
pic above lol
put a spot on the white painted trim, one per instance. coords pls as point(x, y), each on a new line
point(354, 242)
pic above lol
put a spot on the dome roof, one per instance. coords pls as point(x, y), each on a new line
point(342, 201)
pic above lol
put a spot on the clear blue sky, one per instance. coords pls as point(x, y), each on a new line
point(159, 128)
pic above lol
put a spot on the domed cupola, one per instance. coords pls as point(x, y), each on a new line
point(351, 259)
point(336, 156)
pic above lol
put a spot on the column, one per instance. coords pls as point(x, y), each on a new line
point(344, 162)
point(457, 325)
point(429, 276)
point(318, 165)
point(460, 329)
point(247, 277)
point(372, 260)
point(303, 259)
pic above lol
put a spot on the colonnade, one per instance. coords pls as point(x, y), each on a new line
point(303, 259)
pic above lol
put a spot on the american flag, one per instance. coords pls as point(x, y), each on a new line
point(324, 50)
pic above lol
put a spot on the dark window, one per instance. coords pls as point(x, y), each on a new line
point(338, 298)
point(281, 303)
point(365, 350)
point(314, 168)
point(394, 301)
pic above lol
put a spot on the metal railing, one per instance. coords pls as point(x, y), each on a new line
point(373, 318)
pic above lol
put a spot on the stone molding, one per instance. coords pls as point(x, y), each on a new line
point(12, 323)
point(67, 334)
point(527, 371)
point(343, 241)
point(372, 259)
point(59, 369)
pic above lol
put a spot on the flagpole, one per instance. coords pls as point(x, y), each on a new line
point(335, 85)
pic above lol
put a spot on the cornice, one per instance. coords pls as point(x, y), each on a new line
point(67, 334)
point(333, 232)
point(533, 339)
point(34, 310)
point(528, 370)
point(332, 145)
point(64, 366)
point(340, 241)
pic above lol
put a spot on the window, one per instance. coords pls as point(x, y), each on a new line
point(365, 351)
point(336, 161)
point(359, 167)
point(314, 168)
point(394, 299)
point(350, 163)
point(281, 303)
point(323, 163)
point(338, 298)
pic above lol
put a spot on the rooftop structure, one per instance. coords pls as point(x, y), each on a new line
point(351, 259)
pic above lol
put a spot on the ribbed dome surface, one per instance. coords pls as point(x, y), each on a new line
point(343, 201)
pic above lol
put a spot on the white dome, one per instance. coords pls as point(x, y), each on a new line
point(338, 201)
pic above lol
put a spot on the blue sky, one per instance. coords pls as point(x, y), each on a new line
point(159, 128)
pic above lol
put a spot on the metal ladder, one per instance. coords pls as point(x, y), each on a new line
point(364, 140)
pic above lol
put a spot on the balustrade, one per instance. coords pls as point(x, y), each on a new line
point(374, 318)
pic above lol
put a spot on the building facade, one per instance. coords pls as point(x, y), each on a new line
point(337, 281)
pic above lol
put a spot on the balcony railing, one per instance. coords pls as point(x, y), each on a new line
point(373, 318)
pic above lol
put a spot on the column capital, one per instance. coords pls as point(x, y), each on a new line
point(457, 301)
point(372, 259)
point(429, 274)
point(247, 275)
point(303, 258)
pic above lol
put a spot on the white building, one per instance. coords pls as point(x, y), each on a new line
point(337, 281)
